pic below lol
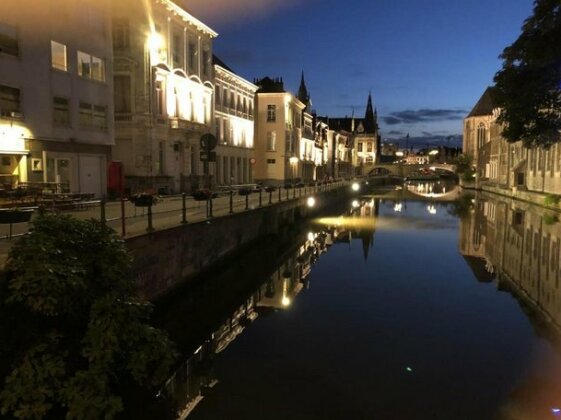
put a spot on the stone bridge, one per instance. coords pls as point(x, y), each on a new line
point(404, 170)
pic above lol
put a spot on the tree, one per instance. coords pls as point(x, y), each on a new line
point(528, 87)
point(73, 334)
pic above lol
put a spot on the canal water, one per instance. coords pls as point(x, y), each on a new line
point(393, 308)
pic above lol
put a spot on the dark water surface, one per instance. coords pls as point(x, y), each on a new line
point(399, 311)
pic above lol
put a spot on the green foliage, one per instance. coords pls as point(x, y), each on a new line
point(462, 207)
point(464, 167)
point(550, 219)
point(551, 200)
point(73, 332)
point(528, 87)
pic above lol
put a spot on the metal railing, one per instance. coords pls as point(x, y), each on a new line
point(174, 210)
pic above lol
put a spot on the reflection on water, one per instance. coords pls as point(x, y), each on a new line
point(195, 377)
point(518, 245)
point(392, 328)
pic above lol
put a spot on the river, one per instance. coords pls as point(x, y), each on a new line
point(392, 308)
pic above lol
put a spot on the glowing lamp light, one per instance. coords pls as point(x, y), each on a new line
point(311, 236)
point(293, 160)
point(433, 152)
point(398, 207)
point(311, 202)
point(399, 154)
point(356, 204)
point(285, 301)
point(355, 186)
point(155, 42)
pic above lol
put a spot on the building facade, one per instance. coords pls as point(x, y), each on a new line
point(164, 87)
point(234, 122)
point(56, 95)
point(506, 166)
point(278, 134)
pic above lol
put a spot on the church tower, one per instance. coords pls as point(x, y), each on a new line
point(304, 96)
point(370, 117)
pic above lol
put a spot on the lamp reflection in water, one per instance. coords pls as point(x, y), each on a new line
point(285, 299)
point(431, 209)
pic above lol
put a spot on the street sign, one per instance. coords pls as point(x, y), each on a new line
point(208, 142)
point(207, 156)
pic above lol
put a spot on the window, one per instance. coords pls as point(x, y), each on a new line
point(206, 62)
point(481, 134)
point(9, 101)
point(121, 38)
point(369, 147)
point(271, 113)
point(359, 147)
point(93, 116)
point(122, 94)
point(176, 50)
point(271, 141)
point(91, 67)
point(58, 56)
point(8, 40)
point(192, 56)
point(271, 161)
point(159, 98)
point(61, 112)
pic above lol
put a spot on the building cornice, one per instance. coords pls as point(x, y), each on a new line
point(250, 86)
point(187, 17)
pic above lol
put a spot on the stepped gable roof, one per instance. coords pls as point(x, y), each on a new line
point(485, 105)
point(219, 62)
point(342, 123)
point(268, 85)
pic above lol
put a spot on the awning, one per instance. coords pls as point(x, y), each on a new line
point(14, 152)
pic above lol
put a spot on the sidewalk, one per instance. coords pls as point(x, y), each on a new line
point(166, 214)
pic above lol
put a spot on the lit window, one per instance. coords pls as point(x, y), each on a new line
point(271, 113)
point(91, 67)
point(58, 56)
point(8, 40)
point(271, 141)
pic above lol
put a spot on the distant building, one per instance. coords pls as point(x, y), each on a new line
point(164, 86)
point(234, 122)
point(500, 165)
point(364, 144)
point(278, 132)
point(56, 94)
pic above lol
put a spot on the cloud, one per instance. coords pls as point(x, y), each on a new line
point(396, 133)
point(235, 10)
point(427, 138)
point(423, 115)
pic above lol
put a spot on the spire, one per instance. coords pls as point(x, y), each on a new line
point(369, 118)
point(303, 94)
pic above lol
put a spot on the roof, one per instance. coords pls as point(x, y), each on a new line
point(485, 105)
point(219, 62)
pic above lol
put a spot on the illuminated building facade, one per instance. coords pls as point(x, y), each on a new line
point(234, 124)
point(501, 166)
point(164, 86)
point(56, 95)
point(278, 132)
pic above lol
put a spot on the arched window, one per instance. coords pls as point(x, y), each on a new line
point(481, 135)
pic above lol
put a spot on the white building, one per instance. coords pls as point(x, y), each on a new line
point(56, 98)
point(234, 122)
point(278, 132)
point(164, 85)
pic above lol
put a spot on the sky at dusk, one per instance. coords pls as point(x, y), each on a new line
point(426, 62)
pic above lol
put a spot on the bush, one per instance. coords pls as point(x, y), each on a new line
point(551, 200)
point(74, 334)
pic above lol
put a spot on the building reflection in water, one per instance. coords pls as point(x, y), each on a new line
point(518, 246)
point(195, 377)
